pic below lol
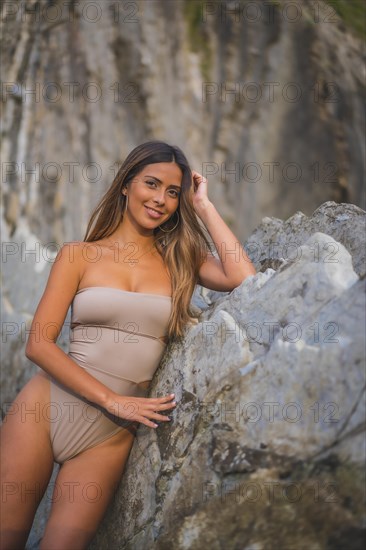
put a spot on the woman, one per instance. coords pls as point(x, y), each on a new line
point(132, 277)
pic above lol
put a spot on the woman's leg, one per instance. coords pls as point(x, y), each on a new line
point(26, 462)
point(84, 487)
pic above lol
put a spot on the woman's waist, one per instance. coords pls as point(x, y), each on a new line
point(117, 361)
point(118, 332)
point(120, 386)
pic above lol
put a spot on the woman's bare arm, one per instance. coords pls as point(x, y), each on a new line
point(41, 348)
point(233, 265)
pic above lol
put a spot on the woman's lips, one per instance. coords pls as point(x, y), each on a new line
point(153, 213)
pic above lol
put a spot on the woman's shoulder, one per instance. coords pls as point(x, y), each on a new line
point(81, 253)
point(74, 247)
point(79, 246)
point(79, 250)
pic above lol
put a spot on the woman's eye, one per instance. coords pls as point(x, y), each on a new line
point(176, 194)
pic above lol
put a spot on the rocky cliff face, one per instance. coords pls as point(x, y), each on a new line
point(266, 98)
point(266, 447)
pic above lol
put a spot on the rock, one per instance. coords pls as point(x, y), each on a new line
point(266, 446)
point(275, 241)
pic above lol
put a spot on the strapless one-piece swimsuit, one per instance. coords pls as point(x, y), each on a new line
point(119, 337)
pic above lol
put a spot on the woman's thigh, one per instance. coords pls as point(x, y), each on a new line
point(84, 487)
point(26, 460)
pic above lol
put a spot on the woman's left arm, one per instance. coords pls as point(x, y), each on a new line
point(234, 265)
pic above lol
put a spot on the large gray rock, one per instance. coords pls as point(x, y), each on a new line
point(275, 241)
point(266, 448)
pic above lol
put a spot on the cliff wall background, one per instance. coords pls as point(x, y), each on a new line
point(265, 97)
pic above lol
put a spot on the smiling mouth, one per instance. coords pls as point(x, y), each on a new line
point(153, 212)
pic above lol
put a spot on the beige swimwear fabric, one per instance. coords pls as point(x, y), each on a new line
point(117, 336)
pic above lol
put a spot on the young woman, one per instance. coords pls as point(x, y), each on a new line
point(129, 285)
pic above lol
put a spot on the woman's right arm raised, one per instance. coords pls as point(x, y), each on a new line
point(41, 348)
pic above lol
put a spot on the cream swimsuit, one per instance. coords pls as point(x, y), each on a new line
point(118, 337)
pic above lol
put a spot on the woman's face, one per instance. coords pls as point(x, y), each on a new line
point(153, 195)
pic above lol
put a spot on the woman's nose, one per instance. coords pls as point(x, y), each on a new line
point(159, 197)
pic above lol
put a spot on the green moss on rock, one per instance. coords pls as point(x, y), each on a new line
point(197, 34)
point(353, 14)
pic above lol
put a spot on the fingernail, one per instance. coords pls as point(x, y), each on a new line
point(156, 425)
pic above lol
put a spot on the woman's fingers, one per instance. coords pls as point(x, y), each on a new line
point(157, 404)
point(162, 406)
point(145, 416)
point(141, 409)
point(161, 399)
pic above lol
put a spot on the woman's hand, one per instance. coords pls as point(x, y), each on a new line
point(140, 409)
point(200, 197)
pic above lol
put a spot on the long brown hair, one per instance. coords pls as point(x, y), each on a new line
point(183, 249)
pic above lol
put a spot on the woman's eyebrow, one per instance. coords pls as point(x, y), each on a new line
point(157, 179)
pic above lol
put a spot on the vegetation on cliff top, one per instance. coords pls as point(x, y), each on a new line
point(353, 13)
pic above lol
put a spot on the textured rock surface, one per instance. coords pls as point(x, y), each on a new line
point(274, 241)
